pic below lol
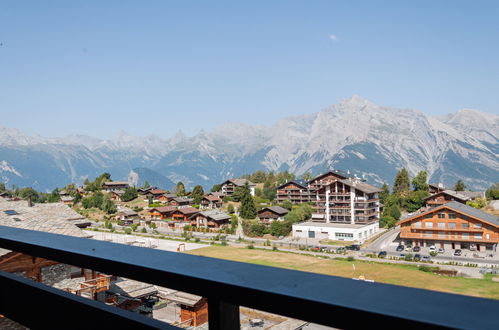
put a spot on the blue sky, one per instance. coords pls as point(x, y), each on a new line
point(153, 67)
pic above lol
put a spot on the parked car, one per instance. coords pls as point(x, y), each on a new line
point(426, 258)
point(457, 253)
point(408, 248)
point(416, 249)
point(402, 256)
point(432, 248)
point(417, 257)
point(340, 250)
point(353, 247)
point(382, 254)
point(400, 248)
point(441, 250)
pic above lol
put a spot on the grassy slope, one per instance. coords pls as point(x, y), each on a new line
point(405, 275)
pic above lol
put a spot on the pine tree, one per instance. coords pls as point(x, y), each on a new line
point(385, 192)
point(247, 209)
point(180, 189)
point(197, 194)
point(459, 186)
point(146, 185)
point(129, 194)
point(402, 182)
point(419, 182)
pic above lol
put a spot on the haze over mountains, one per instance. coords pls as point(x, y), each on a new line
point(371, 141)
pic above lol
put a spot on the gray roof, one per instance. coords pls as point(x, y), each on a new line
point(362, 186)
point(240, 182)
point(215, 215)
point(54, 218)
point(462, 195)
point(462, 208)
point(301, 183)
point(276, 209)
point(468, 210)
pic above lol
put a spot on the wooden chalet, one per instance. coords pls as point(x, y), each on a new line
point(127, 215)
point(434, 188)
point(452, 225)
point(182, 215)
point(144, 191)
point(166, 198)
point(267, 215)
point(212, 219)
point(295, 191)
point(218, 194)
point(67, 200)
point(132, 295)
point(181, 202)
point(115, 185)
point(155, 194)
point(116, 195)
point(54, 218)
point(229, 186)
point(193, 308)
point(211, 202)
point(162, 213)
point(446, 196)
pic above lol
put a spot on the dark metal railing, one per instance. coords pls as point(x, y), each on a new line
point(327, 300)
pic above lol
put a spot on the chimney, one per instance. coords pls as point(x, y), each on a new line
point(30, 202)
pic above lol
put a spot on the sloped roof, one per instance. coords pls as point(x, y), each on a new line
point(184, 298)
point(452, 193)
point(115, 183)
point(212, 198)
point(182, 199)
point(239, 182)
point(461, 208)
point(301, 183)
point(215, 215)
point(188, 210)
point(157, 191)
point(55, 218)
point(360, 185)
point(276, 209)
point(164, 209)
point(342, 174)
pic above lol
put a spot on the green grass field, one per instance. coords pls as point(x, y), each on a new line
point(405, 275)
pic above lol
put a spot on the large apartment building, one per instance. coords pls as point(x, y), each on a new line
point(452, 225)
point(349, 201)
point(295, 191)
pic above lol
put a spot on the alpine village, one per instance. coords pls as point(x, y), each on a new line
point(413, 234)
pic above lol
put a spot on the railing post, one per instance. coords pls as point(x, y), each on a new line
point(223, 316)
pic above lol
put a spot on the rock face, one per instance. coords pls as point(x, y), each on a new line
point(369, 140)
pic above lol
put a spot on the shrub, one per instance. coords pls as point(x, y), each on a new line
point(197, 240)
point(128, 231)
point(144, 230)
point(274, 248)
point(350, 258)
point(433, 253)
point(428, 269)
point(250, 246)
point(224, 243)
point(409, 257)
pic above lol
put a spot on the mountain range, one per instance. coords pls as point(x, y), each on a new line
point(355, 135)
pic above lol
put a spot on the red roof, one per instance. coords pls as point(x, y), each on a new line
point(157, 191)
point(164, 209)
point(188, 210)
point(212, 198)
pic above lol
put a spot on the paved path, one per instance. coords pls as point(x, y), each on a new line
point(384, 240)
point(160, 244)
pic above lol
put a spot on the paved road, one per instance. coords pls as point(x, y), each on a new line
point(384, 240)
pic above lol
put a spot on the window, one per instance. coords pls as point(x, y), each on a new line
point(441, 234)
point(407, 224)
point(452, 225)
point(441, 225)
point(429, 216)
point(465, 235)
point(441, 215)
point(428, 234)
point(465, 225)
point(464, 217)
point(452, 215)
point(417, 224)
point(298, 231)
point(428, 224)
point(477, 225)
point(478, 236)
point(343, 235)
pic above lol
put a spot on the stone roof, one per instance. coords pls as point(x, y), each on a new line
point(133, 289)
point(116, 183)
point(55, 218)
point(184, 298)
point(301, 183)
point(212, 198)
point(66, 198)
point(461, 195)
point(215, 215)
point(188, 210)
point(164, 209)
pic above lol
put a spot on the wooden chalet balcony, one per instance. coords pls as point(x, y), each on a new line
point(470, 230)
point(326, 300)
point(446, 238)
point(339, 193)
point(357, 200)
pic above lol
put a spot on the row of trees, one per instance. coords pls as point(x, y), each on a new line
point(100, 201)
